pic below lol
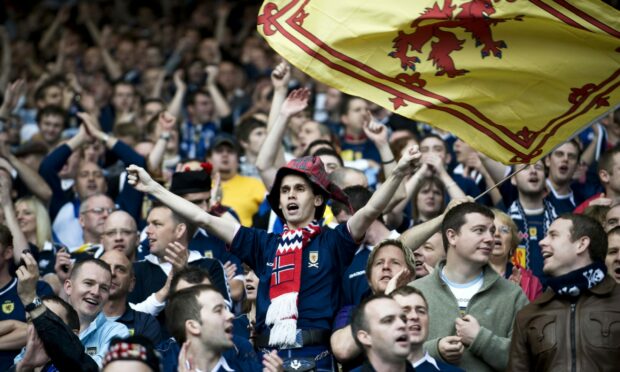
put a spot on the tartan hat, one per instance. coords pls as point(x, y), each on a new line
point(312, 169)
point(190, 181)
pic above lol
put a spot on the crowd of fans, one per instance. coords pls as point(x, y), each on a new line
point(175, 196)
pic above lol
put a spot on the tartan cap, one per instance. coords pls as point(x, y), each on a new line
point(312, 169)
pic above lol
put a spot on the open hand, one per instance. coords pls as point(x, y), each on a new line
point(177, 255)
point(296, 102)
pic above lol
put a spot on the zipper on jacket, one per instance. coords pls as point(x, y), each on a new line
point(573, 352)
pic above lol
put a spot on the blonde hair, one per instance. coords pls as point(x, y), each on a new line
point(44, 228)
point(514, 235)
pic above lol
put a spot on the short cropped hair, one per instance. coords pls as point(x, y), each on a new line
point(455, 218)
point(177, 219)
point(407, 290)
point(330, 152)
point(359, 321)
point(52, 110)
point(73, 320)
point(78, 266)
point(606, 162)
point(191, 274)
point(183, 306)
point(247, 126)
point(588, 226)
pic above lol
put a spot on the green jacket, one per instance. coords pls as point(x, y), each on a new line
point(494, 306)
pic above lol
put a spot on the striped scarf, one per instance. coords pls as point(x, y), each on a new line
point(285, 284)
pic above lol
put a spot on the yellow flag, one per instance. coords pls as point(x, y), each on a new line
point(513, 78)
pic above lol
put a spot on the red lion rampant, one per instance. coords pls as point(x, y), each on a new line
point(473, 17)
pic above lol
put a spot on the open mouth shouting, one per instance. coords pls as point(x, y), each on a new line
point(403, 340)
point(292, 208)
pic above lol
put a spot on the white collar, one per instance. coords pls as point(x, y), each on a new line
point(166, 266)
point(201, 231)
point(474, 174)
point(222, 363)
point(555, 193)
point(426, 358)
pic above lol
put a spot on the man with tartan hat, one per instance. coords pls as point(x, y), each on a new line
point(300, 270)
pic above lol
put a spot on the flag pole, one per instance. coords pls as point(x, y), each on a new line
point(500, 182)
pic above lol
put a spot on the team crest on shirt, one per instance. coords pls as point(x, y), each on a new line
point(209, 254)
point(533, 233)
point(313, 257)
point(92, 351)
point(8, 306)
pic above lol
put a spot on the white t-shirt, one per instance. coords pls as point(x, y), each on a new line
point(463, 292)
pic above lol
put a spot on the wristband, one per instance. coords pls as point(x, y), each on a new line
point(389, 161)
point(33, 305)
point(105, 137)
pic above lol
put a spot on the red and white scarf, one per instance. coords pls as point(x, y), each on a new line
point(285, 284)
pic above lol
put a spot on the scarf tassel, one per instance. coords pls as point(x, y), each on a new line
point(282, 314)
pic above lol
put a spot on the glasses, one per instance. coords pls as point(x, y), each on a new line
point(124, 233)
point(503, 229)
point(99, 211)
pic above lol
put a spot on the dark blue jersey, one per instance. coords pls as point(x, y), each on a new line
point(142, 324)
point(150, 277)
point(354, 283)
point(532, 229)
point(355, 151)
point(240, 357)
point(323, 263)
point(211, 247)
point(13, 309)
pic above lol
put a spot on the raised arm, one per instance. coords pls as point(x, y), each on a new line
point(50, 33)
point(280, 78)
point(223, 229)
point(176, 104)
point(415, 236)
point(11, 95)
point(31, 178)
point(5, 66)
point(435, 163)
point(222, 108)
point(10, 219)
point(112, 67)
point(166, 122)
point(474, 162)
point(266, 160)
point(361, 220)
point(378, 134)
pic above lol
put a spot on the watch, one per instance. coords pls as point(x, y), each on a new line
point(33, 305)
point(165, 136)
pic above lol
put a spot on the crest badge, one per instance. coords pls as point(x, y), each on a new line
point(209, 254)
point(8, 307)
point(313, 257)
